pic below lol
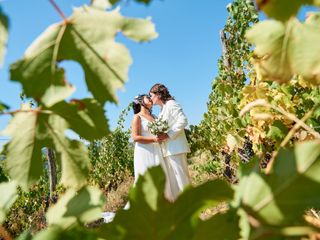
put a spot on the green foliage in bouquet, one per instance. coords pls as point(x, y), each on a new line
point(158, 126)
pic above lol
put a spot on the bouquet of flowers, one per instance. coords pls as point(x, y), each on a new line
point(158, 127)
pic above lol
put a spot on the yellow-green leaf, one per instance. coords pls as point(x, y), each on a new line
point(281, 197)
point(8, 193)
point(84, 116)
point(285, 49)
point(281, 9)
point(87, 37)
point(74, 207)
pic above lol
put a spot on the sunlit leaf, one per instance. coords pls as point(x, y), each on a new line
point(76, 207)
point(283, 50)
point(87, 37)
point(85, 117)
point(281, 9)
point(101, 4)
point(74, 154)
point(24, 162)
point(275, 198)
point(220, 226)
point(30, 132)
point(8, 193)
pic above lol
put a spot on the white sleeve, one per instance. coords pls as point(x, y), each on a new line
point(180, 119)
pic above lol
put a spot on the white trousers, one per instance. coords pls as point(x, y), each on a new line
point(177, 175)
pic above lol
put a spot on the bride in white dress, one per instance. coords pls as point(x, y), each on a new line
point(146, 150)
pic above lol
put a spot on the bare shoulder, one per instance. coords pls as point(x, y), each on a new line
point(136, 118)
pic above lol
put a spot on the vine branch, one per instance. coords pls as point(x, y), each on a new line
point(58, 9)
point(264, 103)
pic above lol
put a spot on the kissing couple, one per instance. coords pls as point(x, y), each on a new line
point(167, 149)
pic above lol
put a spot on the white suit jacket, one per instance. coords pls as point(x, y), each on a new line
point(177, 120)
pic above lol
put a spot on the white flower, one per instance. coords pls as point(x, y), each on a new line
point(158, 126)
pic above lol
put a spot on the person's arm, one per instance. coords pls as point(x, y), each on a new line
point(181, 120)
point(136, 133)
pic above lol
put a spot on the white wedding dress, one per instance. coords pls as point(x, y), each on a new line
point(145, 156)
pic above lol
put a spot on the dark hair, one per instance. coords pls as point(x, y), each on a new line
point(138, 102)
point(162, 91)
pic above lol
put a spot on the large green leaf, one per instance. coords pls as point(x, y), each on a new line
point(23, 158)
point(67, 217)
point(220, 226)
point(158, 218)
point(73, 154)
point(282, 9)
point(3, 34)
point(286, 49)
point(87, 37)
point(8, 193)
point(58, 233)
point(74, 207)
point(85, 117)
point(281, 197)
point(31, 131)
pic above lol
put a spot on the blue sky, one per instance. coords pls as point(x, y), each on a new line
point(184, 57)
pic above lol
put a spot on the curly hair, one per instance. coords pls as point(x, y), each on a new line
point(162, 91)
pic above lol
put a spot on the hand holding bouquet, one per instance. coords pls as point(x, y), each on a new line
point(158, 127)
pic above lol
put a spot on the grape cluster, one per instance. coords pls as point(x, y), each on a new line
point(246, 152)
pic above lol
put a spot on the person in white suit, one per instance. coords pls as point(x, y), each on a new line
point(175, 146)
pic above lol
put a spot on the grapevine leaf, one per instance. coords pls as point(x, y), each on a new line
point(101, 4)
point(4, 22)
point(85, 117)
point(30, 132)
point(275, 65)
point(227, 223)
point(83, 38)
point(73, 207)
point(24, 150)
point(138, 29)
point(274, 198)
point(57, 233)
point(160, 219)
point(281, 9)
point(305, 60)
point(74, 154)
point(8, 192)
point(283, 50)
